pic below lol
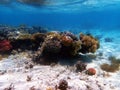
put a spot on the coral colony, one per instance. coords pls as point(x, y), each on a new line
point(48, 47)
point(46, 44)
point(60, 43)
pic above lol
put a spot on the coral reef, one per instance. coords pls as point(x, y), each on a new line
point(91, 71)
point(58, 44)
point(45, 44)
point(89, 43)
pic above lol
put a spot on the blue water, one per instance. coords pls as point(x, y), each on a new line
point(101, 18)
point(62, 14)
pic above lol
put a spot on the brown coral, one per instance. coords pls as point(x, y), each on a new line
point(89, 43)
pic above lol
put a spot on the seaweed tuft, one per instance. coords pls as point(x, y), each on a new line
point(113, 67)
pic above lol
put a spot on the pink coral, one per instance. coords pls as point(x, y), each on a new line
point(5, 45)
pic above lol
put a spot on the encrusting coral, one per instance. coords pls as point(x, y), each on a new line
point(89, 43)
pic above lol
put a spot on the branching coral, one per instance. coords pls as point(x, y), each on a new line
point(89, 43)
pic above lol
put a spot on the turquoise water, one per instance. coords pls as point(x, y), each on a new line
point(101, 18)
point(63, 14)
